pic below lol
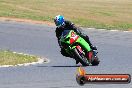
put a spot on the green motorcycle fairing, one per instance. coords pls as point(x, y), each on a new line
point(70, 38)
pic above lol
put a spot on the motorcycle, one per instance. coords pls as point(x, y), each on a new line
point(78, 48)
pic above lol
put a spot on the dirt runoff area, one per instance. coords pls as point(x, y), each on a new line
point(25, 20)
point(32, 21)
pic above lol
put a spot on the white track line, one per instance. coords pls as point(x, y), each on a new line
point(108, 30)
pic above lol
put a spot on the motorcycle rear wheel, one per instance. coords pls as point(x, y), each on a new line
point(95, 62)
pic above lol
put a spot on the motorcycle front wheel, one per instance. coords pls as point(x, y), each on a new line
point(81, 58)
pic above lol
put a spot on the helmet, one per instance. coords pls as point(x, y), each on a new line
point(59, 20)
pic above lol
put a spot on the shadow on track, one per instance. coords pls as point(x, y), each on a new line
point(62, 66)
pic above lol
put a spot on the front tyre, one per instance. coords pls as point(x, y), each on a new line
point(81, 58)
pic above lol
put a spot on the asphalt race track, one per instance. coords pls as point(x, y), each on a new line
point(114, 47)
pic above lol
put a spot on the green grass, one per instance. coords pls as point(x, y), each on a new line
point(108, 14)
point(10, 58)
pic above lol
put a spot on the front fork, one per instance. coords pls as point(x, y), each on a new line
point(70, 49)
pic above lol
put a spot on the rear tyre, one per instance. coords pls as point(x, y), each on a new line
point(95, 62)
point(82, 59)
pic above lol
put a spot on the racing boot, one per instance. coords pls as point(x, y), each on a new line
point(93, 47)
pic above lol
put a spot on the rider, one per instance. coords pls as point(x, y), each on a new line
point(63, 24)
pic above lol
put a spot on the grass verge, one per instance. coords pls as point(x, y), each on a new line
point(10, 58)
point(108, 14)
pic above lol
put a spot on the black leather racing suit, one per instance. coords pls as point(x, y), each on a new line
point(70, 26)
